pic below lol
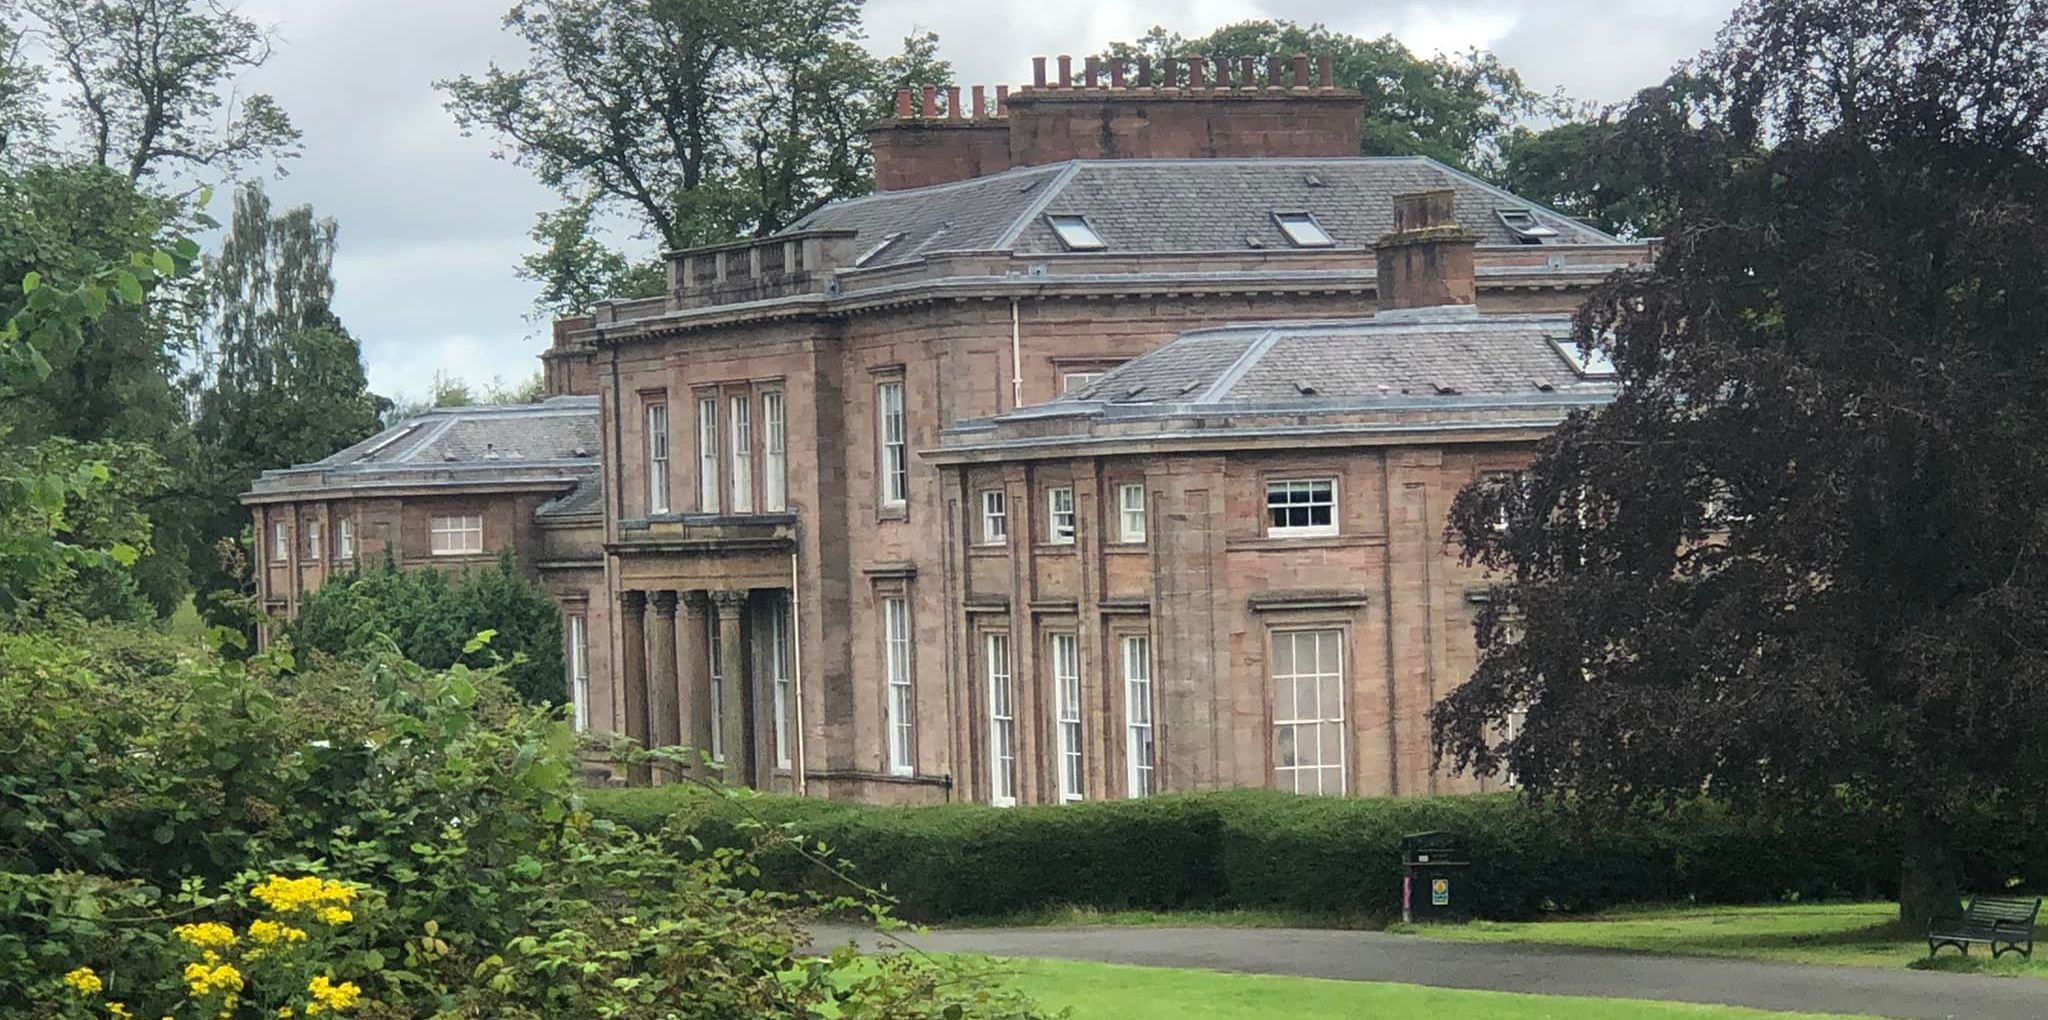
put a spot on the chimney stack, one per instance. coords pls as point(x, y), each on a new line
point(1427, 261)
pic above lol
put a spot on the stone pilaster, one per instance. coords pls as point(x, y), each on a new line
point(633, 673)
point(738, 704)
point(694, 673)
point(663, 695)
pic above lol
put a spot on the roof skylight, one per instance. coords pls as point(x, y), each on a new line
point(1525, 226)
point(1075, 233)
point(1302, 229)
point(1594, 364)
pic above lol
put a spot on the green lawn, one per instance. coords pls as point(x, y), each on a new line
point(1846, 934)
point(1097, 991)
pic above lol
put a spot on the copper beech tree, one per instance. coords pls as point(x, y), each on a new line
point(1804, 552)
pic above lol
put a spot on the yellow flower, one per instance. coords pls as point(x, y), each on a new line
point(204, 980)
point(288, 895)
point(267, 932)
point(210, 935)
point(84, 982)
point(334, 915)
point(285, 1011)
point(117, 1010)
point(327, 994)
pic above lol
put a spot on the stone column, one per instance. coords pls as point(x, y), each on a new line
point(762, 689)
point(664, 722)
point(694, 673)
point(738, 708)
point(633, 673)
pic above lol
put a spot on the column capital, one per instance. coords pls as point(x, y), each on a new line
point(633, 600)
point(664, 602)
point(695, 602)
point(730, 599)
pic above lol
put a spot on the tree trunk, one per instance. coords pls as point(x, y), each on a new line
point(1929, 880)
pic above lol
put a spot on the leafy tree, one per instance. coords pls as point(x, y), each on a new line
point(1450, 108)
point(151, 84)
point(697, 122)
point(576, 270)
point(431, 617)
point(282, 381)
point(23, 122)
point(1803, 549)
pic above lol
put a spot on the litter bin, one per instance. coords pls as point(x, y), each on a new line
point(1432, 886)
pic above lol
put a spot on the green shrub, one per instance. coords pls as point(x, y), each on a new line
point(1258, 849)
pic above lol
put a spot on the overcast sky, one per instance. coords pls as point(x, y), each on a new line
point(431, 223)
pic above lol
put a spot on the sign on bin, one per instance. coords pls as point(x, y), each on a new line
point(1440, 892)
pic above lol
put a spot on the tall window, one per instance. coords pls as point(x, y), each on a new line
point(778, 673)
point(345, 540)
point(1066, 687)
point(995, 522)
point(717, 655)
point(456, 534)
point(895, 465)
point(1308, 711)
point(1002, 723)
point(1138, 746)
point(311, 529)
point(775, 484)
point(707, 454)
point(579, 672)
point(280, 545)
point(1059, 515)
point(657, 458)
point(742, 456)
point(1301, 506)
point(902, 721)
point(1130, 502)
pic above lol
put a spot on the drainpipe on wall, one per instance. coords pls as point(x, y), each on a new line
point(1016, 360)
point(796, 679)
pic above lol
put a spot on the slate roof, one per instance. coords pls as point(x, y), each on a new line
point(1401, 362)
point(554, 441)
point(1173, 205)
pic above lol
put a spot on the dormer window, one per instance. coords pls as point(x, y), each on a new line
point(1303, 231)
point(1526, 227)
point(1593, 364)
point(1075, 233)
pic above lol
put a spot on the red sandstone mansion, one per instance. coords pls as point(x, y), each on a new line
point(1105, 450)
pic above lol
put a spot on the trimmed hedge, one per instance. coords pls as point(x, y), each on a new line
point(1260, 849)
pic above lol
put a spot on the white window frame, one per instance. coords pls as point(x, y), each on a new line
point(775, 466)
point(280, 543)
point(1292, 722)
point(1130, 503)
point(345, 539)
point(1071, 381)
point(579, 672)
point(1291, 486)
point(779, 677)
point(1059, 515)
point(1075, 232)
point(1065, 661)
point(657, 457)
point(312, 531)
point(1141, 751)
point(900, 704)
point(892, 437)
point(742, 454)
point(715, 653)
point(995, 517)
point(456, 534)
point(1303, 230)
point(707, 454)
point(1002, 719)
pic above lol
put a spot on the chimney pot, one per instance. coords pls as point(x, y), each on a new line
point(1222, 72)
point(1145, 72)
point(1169, 73)
point(1247, 73)
point(904, 109)
point(1038, 72)
point(1092, 72)
point(1116, 74)
point(1323, 68)
point(952, 102)
point(1301, 70)
point(1195, 76)
point(1002, 100)
point(1427, 260)
point(1274, 70)
point(931, 101)
point(980, 103)
point(1066, 71)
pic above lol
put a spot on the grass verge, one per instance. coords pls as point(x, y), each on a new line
point(1099, 991)
point(1839, 934)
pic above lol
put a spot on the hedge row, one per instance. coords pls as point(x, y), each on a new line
point(1264, 850)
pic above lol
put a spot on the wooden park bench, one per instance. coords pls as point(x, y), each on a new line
point(1995, 921)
